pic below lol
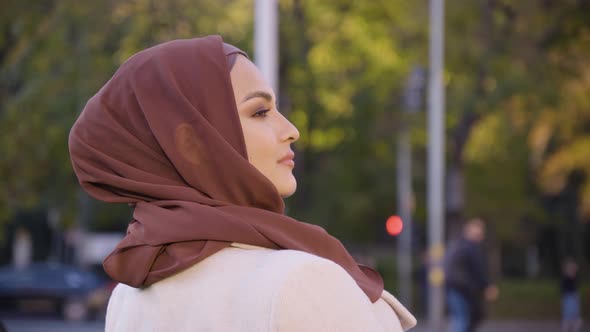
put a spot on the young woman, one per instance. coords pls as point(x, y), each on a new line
point(188, 133)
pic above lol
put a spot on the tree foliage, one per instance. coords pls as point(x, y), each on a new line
point(516, 77)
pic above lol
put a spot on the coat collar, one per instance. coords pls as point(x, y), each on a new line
point(406, 319)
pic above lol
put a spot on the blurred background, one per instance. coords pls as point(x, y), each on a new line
point(352, 76)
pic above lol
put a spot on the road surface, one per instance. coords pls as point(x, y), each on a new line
point(54, 325)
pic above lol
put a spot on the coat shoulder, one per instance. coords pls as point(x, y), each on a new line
point(260, 289)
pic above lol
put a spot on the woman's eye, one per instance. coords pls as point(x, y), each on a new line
point(261, 113)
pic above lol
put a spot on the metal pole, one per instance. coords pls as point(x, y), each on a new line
point(405, 195)
point(266, 40)
point(436, 156)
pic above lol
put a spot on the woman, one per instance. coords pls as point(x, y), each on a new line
point(188, 133)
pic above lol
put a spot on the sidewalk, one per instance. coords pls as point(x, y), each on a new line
point(508, 326)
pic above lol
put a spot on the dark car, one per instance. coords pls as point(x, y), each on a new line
point(73, 292)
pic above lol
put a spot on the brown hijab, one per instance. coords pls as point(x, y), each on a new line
point(164, 136)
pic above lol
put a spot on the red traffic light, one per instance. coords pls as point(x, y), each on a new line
point(394, 225)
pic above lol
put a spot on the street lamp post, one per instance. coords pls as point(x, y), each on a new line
point(436, 166)
point(412, 104)
point(266, 40)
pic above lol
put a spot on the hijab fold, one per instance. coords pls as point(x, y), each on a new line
point(164, 136)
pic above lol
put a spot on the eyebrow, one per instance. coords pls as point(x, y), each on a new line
point(257, 94)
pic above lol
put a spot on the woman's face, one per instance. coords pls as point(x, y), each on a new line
point(268, 134)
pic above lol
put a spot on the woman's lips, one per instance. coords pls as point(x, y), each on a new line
point(288, 159)
point(289, 162)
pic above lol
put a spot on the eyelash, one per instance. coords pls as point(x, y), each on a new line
point(261, 113)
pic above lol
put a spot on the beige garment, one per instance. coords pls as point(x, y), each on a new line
point(246, 288)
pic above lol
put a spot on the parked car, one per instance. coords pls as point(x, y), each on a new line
point(73, 292)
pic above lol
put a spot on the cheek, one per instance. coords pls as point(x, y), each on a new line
point(259, 147)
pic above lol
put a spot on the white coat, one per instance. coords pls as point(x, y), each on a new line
point(247, 288)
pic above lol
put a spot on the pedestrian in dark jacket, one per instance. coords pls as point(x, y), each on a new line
point(467, 281)
point(570, 299)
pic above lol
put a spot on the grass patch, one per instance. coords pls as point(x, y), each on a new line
point(520, 299)
point(536, 299)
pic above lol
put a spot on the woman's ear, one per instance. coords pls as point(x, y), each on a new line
point(188, 144)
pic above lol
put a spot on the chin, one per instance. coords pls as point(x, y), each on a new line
point(287, 188)
point(287, 194)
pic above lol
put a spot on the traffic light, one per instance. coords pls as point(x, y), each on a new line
point(394, 225)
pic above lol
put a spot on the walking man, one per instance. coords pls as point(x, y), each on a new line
point(467, 281)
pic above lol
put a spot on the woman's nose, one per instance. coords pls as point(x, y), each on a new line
point(290, 132)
